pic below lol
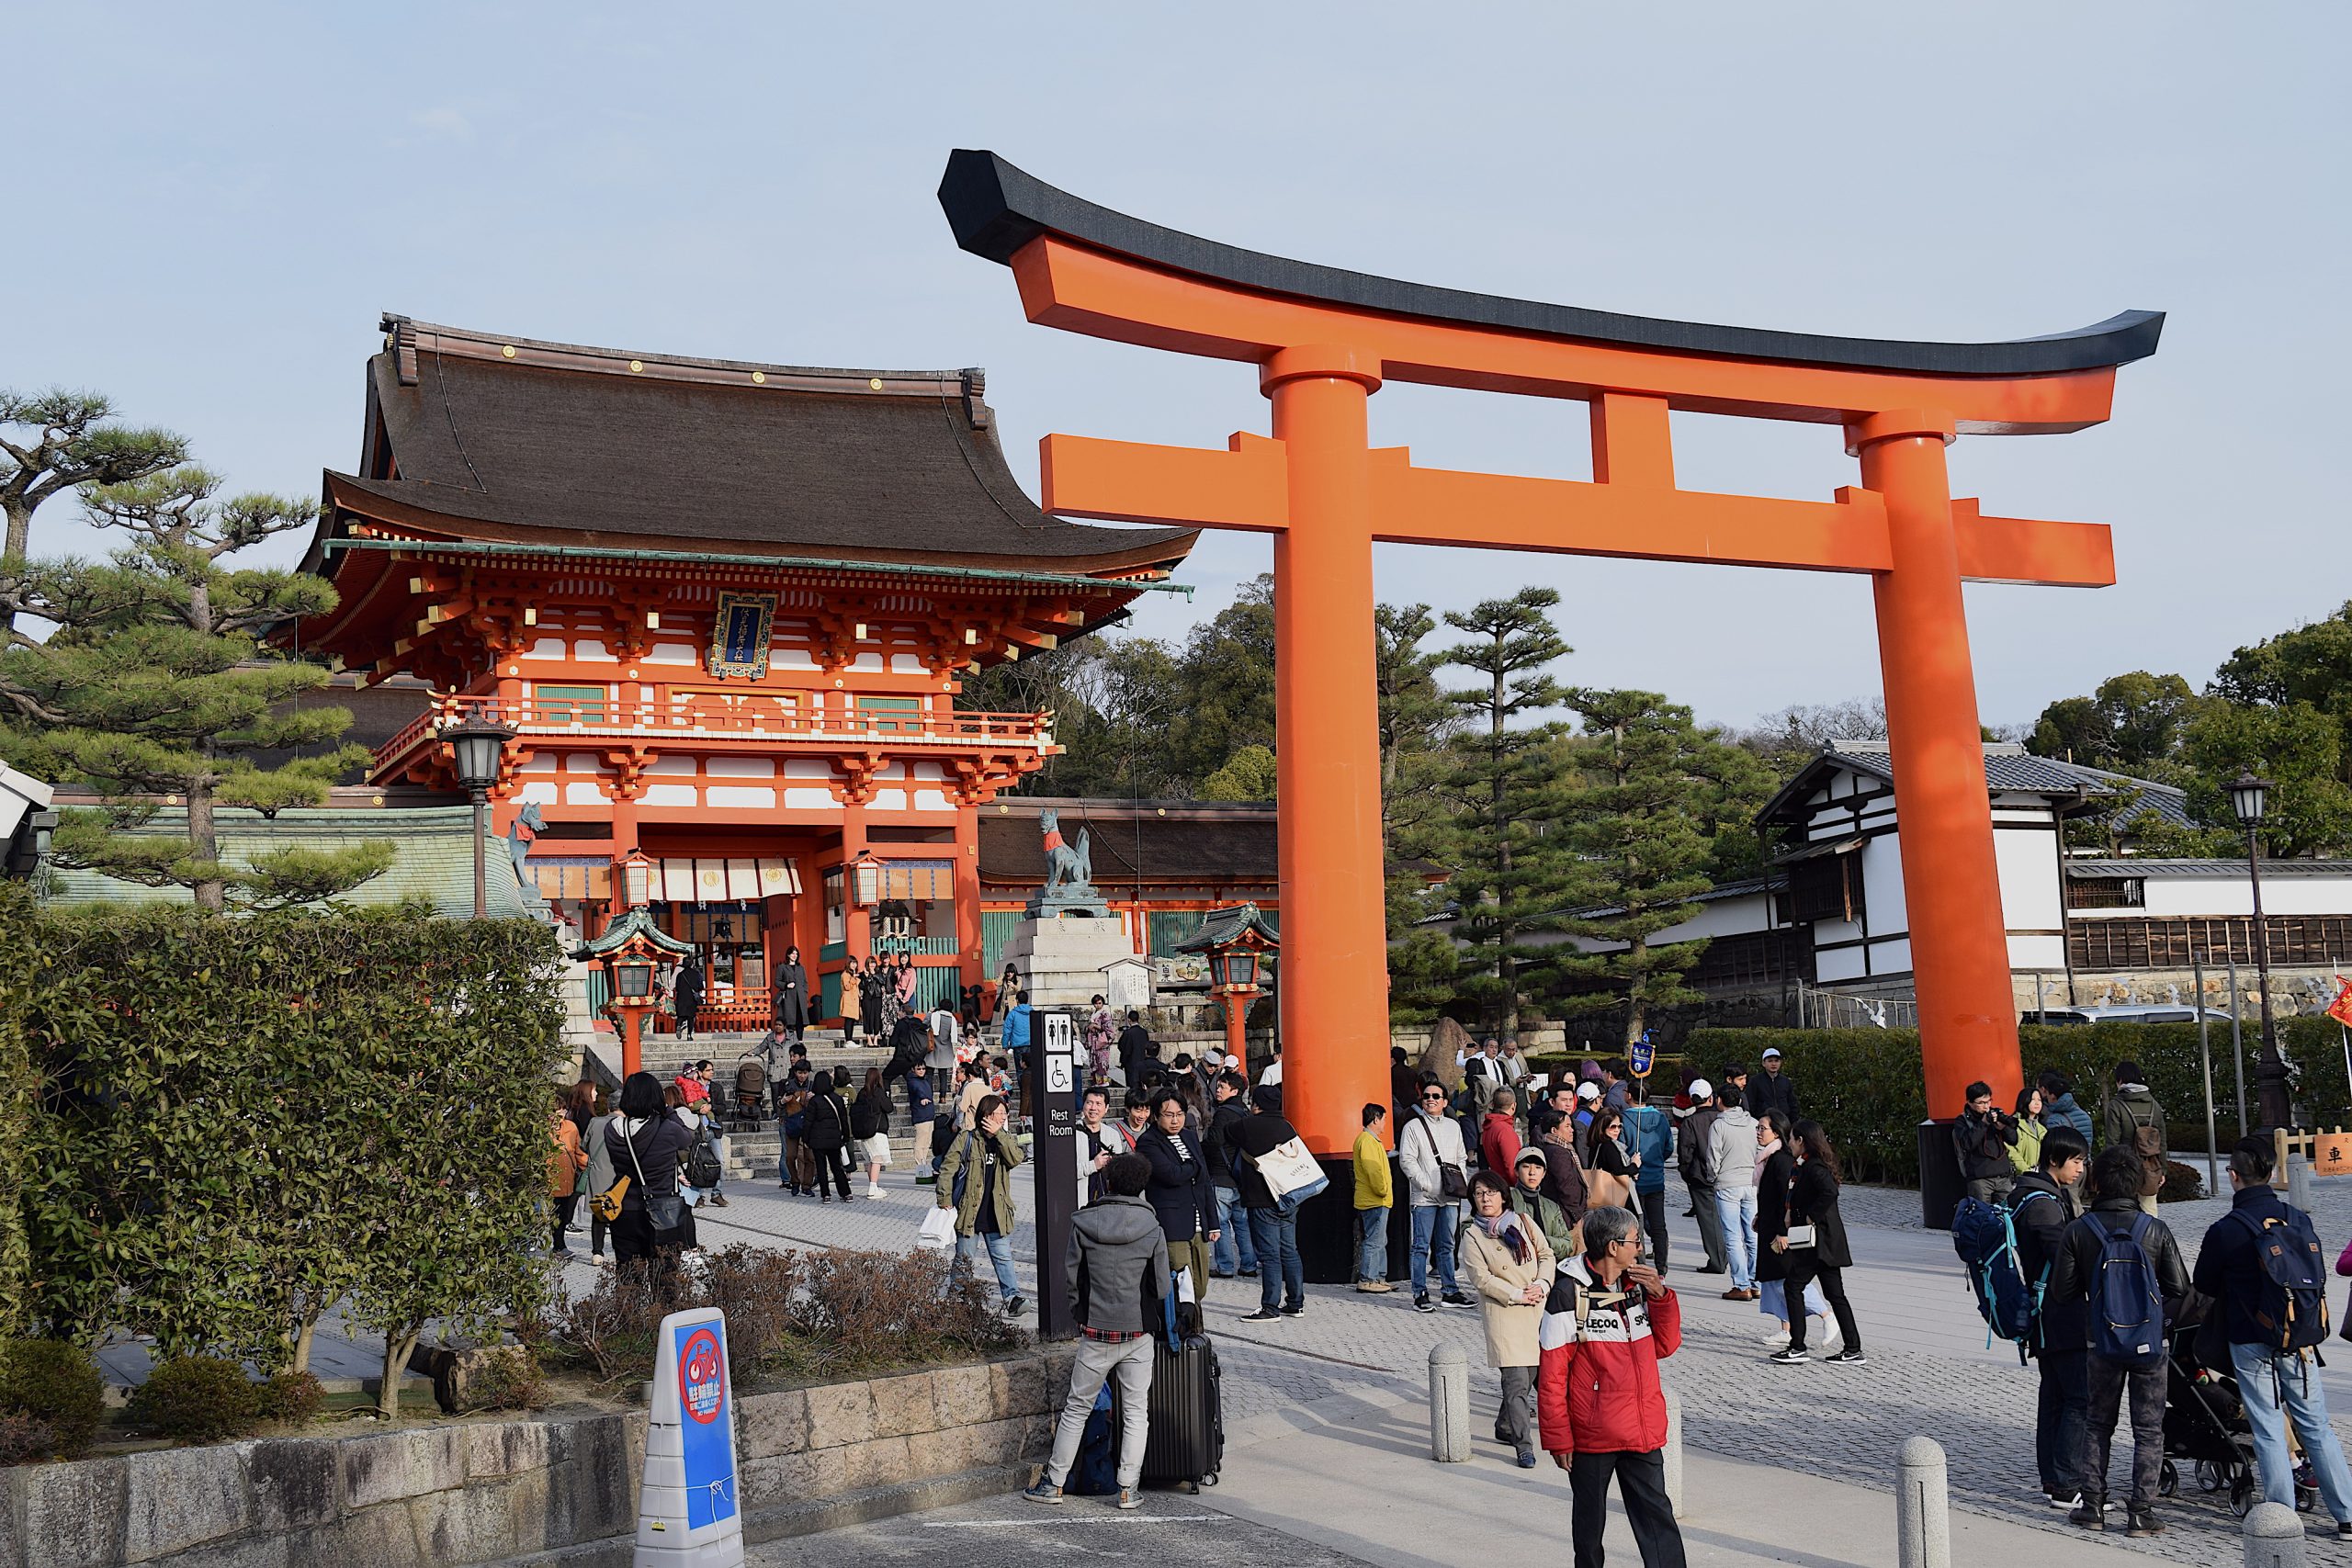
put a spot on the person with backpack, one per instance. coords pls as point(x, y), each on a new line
point(975, 1181)
point(2041, 1205)
point(1117, 1269)
point(2131, 1119)
point(1731, 1154)
point(1697, 1164)
point(1650, 1133)
point(645, 1143)
point(2262, 1265)
point(2126, 1266)
point(869, 1123)
point(2058, 1105)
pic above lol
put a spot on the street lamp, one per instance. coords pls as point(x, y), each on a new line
point(477, 746)
point(2248, 797)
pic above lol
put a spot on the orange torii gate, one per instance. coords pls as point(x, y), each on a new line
point(1324, 339)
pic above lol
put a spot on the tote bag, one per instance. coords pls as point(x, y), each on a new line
point(1292, 1174)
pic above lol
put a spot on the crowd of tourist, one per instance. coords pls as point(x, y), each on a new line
point(1540, 1202)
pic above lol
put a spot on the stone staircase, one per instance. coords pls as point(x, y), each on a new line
point(755, 1150)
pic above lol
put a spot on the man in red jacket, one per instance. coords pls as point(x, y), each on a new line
point(1607, 1322)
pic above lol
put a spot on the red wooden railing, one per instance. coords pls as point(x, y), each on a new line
point(750, 716)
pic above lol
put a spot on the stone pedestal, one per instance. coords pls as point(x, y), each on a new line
point(1060, 952)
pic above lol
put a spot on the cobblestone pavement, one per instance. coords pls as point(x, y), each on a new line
point(1004, 1532)
point(1930, 1371)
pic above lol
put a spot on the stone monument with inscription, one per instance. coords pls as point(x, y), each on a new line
point(1067, 935)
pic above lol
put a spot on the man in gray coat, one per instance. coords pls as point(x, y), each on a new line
point(1118, 1271)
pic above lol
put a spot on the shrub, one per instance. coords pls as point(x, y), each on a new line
point(246, 1120)
point(508, 1378)
point(198, 1399)
point(1864, 1085)
point(790, 1315)
point(2181, 1184)
point(22, 1437)
point(291, 1397)
point(56, 1384)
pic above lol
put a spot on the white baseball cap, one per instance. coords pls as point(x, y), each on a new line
point(1588, 1090)
point(1700, 1089)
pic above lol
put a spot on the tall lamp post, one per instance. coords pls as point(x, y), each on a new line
point(477, 746)
point(2250, 796)
point(630, 949)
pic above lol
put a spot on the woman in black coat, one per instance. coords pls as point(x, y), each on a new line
point(792, 994)
point(685, 997)
point(827, 1131)
point(1813, 1201)
point(1180, 1190)
point(1778, 1166)
point(873, 984)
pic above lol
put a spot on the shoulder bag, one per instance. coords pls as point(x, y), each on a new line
point(666, 1212)
point(1452, 1184)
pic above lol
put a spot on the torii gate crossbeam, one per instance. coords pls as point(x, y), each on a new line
point(1323, 339)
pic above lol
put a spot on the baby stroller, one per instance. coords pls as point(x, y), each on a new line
point(750, 1090)
point(2205, 1425)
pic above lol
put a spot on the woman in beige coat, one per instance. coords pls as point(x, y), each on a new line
point(1508, 1265)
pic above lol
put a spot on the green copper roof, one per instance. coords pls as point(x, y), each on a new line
point(1222, 928)
point(638, 921)
point(434, 857)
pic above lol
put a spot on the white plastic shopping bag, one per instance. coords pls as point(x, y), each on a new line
point(938, 1232)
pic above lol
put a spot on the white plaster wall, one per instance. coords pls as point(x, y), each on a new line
point(582, 763)
point(806, 799)
point(740, 795)
point(932, 800)
point(2234, 896)
point(671, 795)
point(544, 793)
point(2027, 862)
point(741, 767)
point(2038, 953)
point(672, 765)
point(671, 653)
point(582, 794)
point(1883, 887)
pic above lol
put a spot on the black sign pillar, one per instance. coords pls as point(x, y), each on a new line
point(1053, 1069)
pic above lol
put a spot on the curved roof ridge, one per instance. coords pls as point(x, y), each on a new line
point(995, 208)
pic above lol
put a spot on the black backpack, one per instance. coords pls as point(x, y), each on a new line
point(702, 1161)
point(864, 1118)
point(2292, 1310)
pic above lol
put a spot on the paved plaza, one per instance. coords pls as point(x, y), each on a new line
point(1302, 1395)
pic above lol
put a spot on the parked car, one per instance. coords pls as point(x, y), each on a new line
point(2159, 1014)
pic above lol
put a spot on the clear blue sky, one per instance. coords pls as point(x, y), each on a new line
point(212, 204)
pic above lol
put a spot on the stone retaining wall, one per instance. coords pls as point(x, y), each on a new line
point(487, 1491)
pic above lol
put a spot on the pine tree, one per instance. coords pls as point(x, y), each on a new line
point(1513, 875)
point(1645, 786)
point(156, 682)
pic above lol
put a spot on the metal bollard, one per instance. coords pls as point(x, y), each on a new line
point(2274, 1536)
point(1922, 1506)
point(1449, 1405)
point(1674, 1450)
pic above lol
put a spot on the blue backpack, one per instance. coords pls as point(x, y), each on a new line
point(1095, 1472)
point(2293, 1306)
point(2127, 1310)
point(1986, 1236)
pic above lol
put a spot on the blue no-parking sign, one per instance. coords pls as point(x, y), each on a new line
point(690, 1510)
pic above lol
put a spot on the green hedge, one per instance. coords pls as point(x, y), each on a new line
point(1864, 1085)
point(244, 1121)
point(18, 965)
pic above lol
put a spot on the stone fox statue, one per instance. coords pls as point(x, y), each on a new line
point(1065, 867)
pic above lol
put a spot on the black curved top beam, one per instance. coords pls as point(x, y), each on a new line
point(995, 210)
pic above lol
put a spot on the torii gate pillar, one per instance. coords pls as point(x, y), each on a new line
point(1323, 339)
point(1327, 750)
